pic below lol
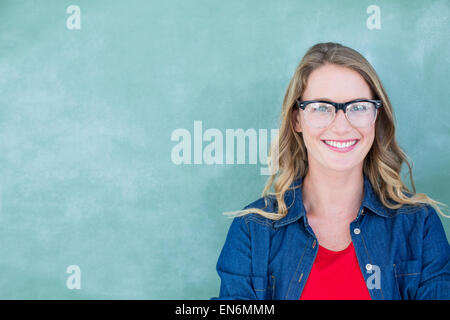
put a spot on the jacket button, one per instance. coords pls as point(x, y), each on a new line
point(356, 231)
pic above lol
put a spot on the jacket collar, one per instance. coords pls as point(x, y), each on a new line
point(296, 210)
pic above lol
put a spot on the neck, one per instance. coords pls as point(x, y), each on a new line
point(333, 195)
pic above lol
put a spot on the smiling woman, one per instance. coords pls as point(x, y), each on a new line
point(337, 158)
point(340, 209)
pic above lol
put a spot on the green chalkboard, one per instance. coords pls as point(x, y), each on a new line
point(95, 95)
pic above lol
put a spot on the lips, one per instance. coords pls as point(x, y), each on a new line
point(341, 149)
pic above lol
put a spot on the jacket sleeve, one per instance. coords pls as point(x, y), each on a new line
point(235, 264)
point(435, 276)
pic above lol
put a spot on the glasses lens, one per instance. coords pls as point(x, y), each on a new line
point(361, 114)
point(319, 114)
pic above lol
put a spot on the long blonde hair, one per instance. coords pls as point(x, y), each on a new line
point(382, 164)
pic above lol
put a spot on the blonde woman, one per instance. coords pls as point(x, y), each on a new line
point(340, 224)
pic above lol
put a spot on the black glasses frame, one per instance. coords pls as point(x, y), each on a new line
point(302, 104)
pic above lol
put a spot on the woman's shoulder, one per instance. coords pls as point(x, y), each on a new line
point(419, 210)
point(419, 217)
point(264, 203)
point(267, 204)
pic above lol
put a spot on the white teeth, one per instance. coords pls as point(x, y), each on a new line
point(340, 145)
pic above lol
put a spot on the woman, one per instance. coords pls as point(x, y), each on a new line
point(341, 224)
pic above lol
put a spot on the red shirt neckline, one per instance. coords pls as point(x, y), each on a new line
point(337, 252)
point(335, 275)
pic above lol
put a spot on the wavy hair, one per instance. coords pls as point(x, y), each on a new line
point(383, 163)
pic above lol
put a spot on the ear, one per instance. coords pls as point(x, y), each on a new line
point(296, 120)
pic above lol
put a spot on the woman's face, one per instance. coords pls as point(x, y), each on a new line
point(337, 84)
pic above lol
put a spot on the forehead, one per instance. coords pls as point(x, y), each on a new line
point(337, 83)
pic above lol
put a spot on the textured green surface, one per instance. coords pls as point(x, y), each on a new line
point(86, 117)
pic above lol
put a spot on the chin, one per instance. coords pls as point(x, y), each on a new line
point(342, 167)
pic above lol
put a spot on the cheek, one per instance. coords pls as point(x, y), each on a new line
point(370, 134)
point(311, 137)
point(369, 137)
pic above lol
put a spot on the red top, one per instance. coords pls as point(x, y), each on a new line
point(335, 275)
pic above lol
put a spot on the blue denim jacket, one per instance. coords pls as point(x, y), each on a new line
point(402, 254)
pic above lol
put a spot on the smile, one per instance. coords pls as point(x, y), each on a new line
point(341, 145)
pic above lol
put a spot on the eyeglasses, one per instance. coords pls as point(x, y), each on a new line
point(360, 113)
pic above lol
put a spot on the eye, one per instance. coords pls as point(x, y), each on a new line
point(322, 108)
point(358, 107)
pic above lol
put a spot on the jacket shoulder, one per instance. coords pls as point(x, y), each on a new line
point(421, 210)
point(267, 204)
point(420, 217)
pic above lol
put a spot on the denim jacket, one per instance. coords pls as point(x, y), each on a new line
point(402, 253)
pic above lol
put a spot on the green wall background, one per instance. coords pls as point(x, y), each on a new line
point(86, 117)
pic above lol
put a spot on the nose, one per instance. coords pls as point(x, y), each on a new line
point(340, 122)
